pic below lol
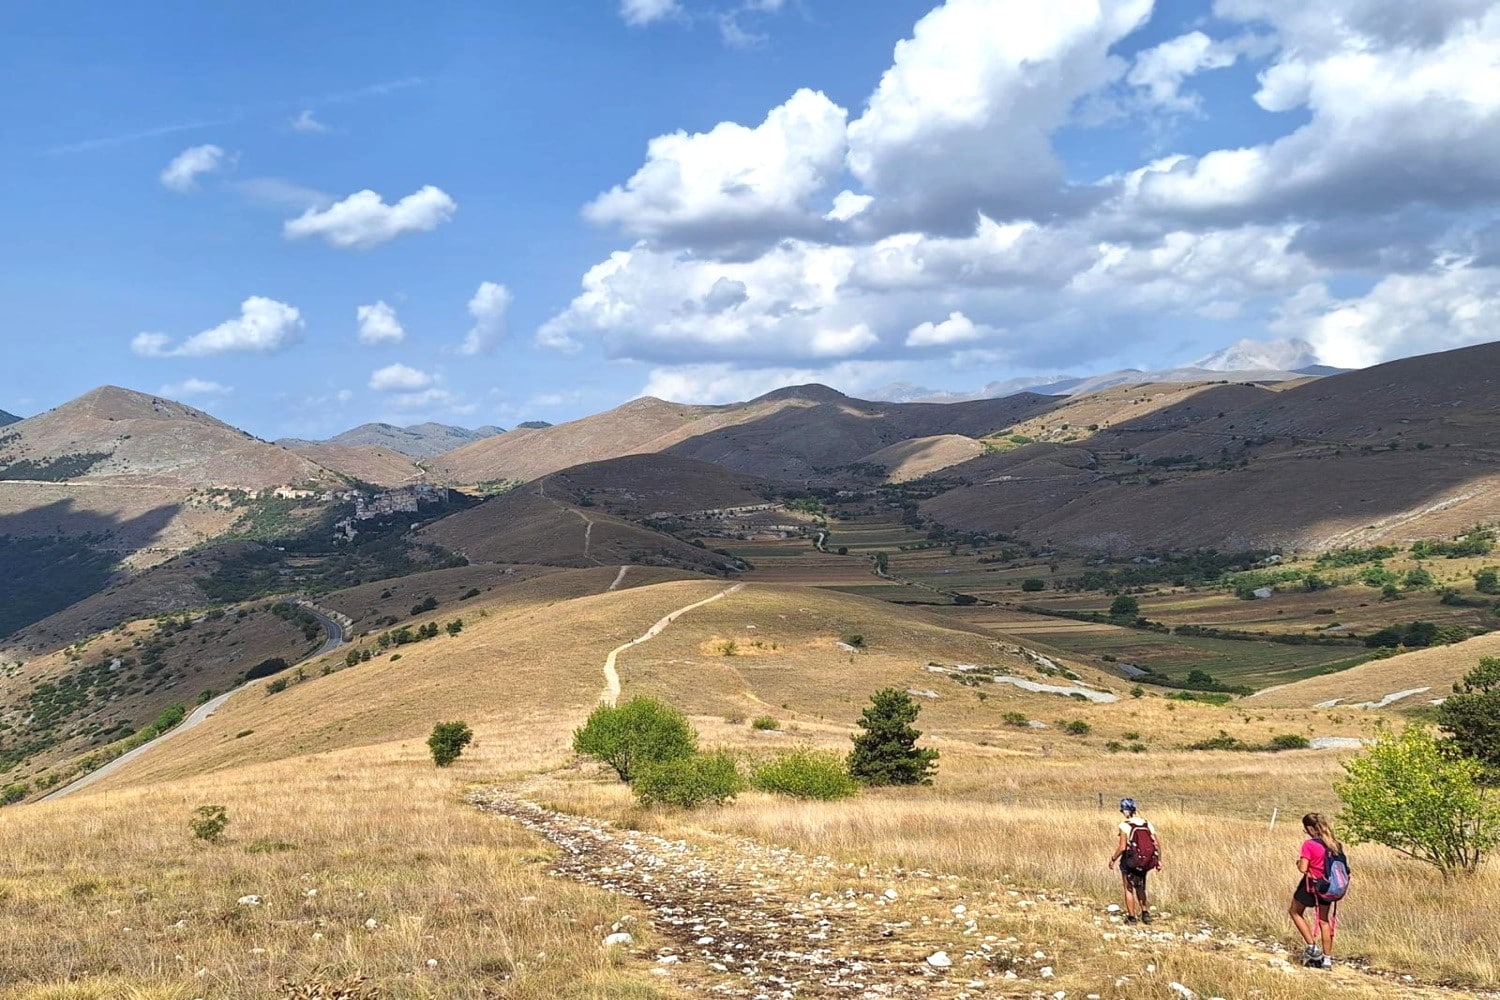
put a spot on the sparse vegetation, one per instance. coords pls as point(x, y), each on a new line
point(447, 742)
point(805, 773)
point(209, 823)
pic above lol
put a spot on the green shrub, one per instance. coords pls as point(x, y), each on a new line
point(1221, 742)
point(276, 686)
point(690, 781)
point(1076, 727)
point(805, 773)
point(14, 793)
point(886, 753)
point(1289, 741)
point(765, 723)
point(448, 740)
point(1472, 715)
point(1410, 794)
point(856, 640)
point(1124, 606)
point(209, 823)
point(1015, 719)
point(642, 731)
point(1033, 585)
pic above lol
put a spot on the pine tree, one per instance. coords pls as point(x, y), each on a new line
point(886, 753)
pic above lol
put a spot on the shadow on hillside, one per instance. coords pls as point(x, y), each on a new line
point(1239, 469)
point(809, 443)
point(55, 555)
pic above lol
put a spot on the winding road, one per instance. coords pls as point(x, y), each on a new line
point(335, 633)
point(612, 675)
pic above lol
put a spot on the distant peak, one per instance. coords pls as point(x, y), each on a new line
point(1261, 355)
point(812, 392)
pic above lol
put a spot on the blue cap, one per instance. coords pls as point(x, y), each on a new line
point(1127, 805)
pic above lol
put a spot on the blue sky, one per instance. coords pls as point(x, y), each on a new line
point(1016, 189)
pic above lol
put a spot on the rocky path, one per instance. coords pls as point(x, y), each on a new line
point(736, 918)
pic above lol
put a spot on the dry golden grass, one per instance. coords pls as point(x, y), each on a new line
point(109, 896)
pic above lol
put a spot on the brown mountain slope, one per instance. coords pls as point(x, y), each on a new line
point(367, 463)
point(791, 433)
point(640, 485)
point(1397, 452)
point(126, 436)
point(529, 454)
point(923, 456)
point(529, 525)
point(1433, 671)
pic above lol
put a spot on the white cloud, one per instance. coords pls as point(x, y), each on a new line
point(432, 399)
point(733, 184)
point(191, 387)
point(264, 326)
point(187, 166)
point(1160, 71)
point(961, 122)
point(364, 220)
point(847, 205)
point(378, 324)
point(956, 329)
point(642, 12)
point(400, 378)
point(306, 122)
point(1404, 314)
point(1393, 119)
point(489, 307)
point(277, 192)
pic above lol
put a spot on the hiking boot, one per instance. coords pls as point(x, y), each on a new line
point(1130, 918)
point(1145, 916)
point(1312, 955)
point(1326, 962)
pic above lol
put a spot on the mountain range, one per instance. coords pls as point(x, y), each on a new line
point(417, 441)
point(7, 418)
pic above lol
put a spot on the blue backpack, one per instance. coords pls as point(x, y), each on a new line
point(1334, 884)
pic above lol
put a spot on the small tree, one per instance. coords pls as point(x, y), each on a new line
point(641, 731)
point(1472, 715)
point(209, 823)
point(1411, 794)
point(448, 740)
point(1033, 585)
point(886, 753)
point(1124, 606)
point(1487, 581)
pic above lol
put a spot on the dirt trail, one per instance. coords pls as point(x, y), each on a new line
point(612, 675)
point(736, 918)
point(620, 578)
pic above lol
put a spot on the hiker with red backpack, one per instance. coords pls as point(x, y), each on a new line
point(1138, 852)
point(1324, 881)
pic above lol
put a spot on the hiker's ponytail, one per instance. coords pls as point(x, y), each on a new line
point(1323, 830)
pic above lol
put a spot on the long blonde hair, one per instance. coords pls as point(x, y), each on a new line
point(1320, 828)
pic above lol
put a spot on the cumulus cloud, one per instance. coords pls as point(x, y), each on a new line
point(962, 121)
point(187, 166)
point(956, 329)
point(378, 324)
point(308, 123)
point(364, 220)
point(264, 326)
point(806, 241)
point(733, 184)
point(1393, 118)
point(490, 307)
point(1161, 71)
point(638, 13)
point(400, 378)
point(194, 387)
point(1447, 307)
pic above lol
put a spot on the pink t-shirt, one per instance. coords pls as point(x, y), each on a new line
point(1316, 855)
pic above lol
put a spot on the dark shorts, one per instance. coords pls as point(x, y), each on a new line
point(1135, 878)
point(1303, 896)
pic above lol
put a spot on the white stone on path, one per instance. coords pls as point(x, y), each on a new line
point(618, 938)
point(939, 960)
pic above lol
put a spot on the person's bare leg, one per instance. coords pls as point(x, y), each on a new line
point(1325, 920)
point(1132, 905)
point(1298, 913)
point(1141, 901)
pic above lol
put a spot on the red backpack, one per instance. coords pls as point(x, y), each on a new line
point(1141, 851)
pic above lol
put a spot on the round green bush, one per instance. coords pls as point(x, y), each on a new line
point(690, 781)
point(806, 774)
point(765, 722)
